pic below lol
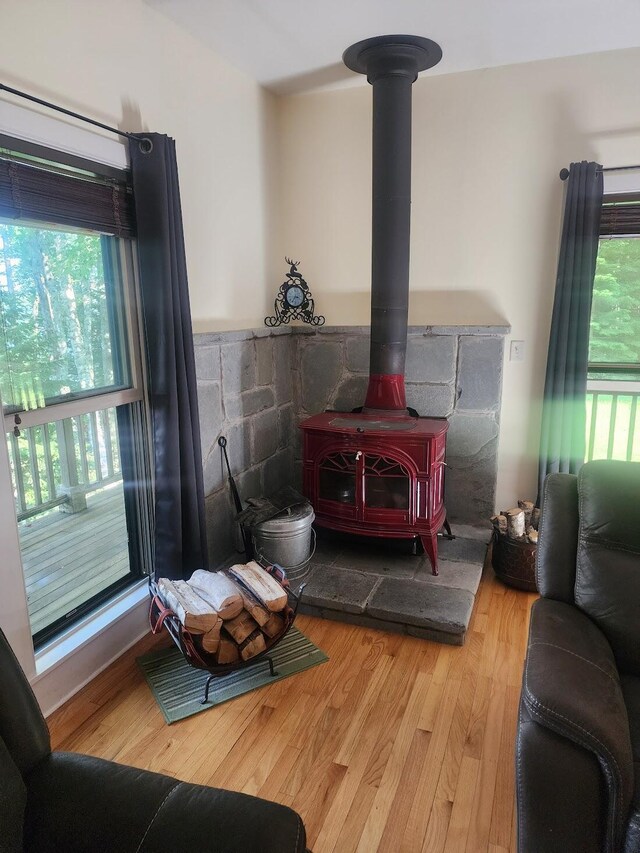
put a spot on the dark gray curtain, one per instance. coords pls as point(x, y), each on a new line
point(562, 442)
point(180, 533)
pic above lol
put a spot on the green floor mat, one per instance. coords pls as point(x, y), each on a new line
point(179, 688)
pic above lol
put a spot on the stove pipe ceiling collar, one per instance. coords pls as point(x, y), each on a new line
point(392, 64)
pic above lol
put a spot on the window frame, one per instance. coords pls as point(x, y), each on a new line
point(134, 395)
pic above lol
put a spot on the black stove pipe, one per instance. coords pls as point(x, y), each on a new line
point(392, 64)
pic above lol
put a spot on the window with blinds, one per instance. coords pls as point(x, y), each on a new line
point(71, 382)
point(35, 191)
point(620, 215)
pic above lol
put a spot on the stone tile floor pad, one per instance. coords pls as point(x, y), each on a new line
point(382, 584)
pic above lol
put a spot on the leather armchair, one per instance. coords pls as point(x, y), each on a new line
point(578, 745)
point(64, 802)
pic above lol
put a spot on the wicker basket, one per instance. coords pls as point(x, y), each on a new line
point(514, 562)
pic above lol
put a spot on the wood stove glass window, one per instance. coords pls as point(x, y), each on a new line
point(386, 483)
point(338, 478)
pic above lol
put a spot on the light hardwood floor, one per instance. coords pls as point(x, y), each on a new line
point(396, 745)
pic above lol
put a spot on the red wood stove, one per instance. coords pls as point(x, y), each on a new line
point(375, 475)
point(379, 472)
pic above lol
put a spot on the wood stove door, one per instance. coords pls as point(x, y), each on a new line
point(365, 486)
point(386, 490)
point(338, 479)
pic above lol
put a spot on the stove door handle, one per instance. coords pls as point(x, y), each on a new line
point(358, 455)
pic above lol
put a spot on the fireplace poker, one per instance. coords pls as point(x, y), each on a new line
point(246, 537)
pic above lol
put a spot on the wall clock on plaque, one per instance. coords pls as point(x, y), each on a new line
point(294, 301)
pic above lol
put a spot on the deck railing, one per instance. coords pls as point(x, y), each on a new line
point(58, 463)
point(613, 420)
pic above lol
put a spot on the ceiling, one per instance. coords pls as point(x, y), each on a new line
point(295, 45)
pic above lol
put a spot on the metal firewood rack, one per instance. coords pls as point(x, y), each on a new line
point(161, 617)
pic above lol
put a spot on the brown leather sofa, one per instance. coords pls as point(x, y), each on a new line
point(68, 803)
point(578, 747)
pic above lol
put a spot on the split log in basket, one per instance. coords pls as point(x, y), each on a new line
point(196, 615)
point(253, 606)
point(535, 517)
point(219, 591)
point(241, 626)
point(228, 651)
point(211, 640)
point(253, 645)
point(515, 523)
point(500, 523)
point(274, 626)
point(519, 523)
point(265, 588)
point(527, 508)
point(229, 619)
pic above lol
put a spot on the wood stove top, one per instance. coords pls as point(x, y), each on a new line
point(364, 423)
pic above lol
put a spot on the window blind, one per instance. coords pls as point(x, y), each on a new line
point(34, 193)
point(620, 215)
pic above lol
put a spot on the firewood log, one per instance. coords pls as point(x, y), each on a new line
point(274, 626)
point(532, 536)
point(219, 590)
point(535, 517)
point(211, 640)
point(515, 523)
point(500, 523)
point(253, 606)
point(265, 588)
point(253, 645)
point(196, 614)
point(228, 652)
point(527, 506)
point(241, 626)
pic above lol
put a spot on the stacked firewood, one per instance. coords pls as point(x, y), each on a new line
point(234, 613)
point(519, 523)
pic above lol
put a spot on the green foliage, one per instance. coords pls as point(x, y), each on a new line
point(615, 312)
point(54, 332)
point(55, 339)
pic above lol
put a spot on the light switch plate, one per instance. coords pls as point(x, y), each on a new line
point(516, 353)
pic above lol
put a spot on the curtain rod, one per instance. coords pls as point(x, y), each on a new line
point(70, 113)
point(564, 173)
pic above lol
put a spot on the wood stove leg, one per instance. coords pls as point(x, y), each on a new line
point(430, 545)
point(447, 528)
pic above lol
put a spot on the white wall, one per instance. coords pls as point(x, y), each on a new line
point(487, 205)
point(123, 63)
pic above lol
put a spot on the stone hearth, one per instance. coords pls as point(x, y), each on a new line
point(383, 585)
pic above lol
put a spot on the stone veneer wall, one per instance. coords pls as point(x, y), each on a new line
point(254, 387)
point(245, 392)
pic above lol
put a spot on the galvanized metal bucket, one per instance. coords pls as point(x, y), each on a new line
point(287, 540)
